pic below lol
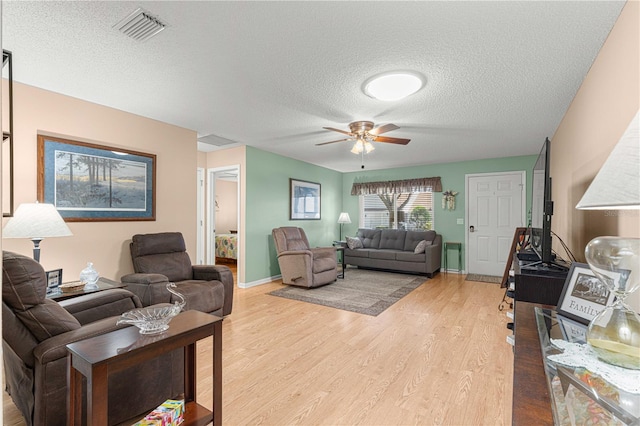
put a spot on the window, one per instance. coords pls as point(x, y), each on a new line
point(411, 211)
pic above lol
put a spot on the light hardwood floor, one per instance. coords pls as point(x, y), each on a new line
point(438, 356)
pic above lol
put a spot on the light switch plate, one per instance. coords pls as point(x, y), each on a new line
point(460, 221)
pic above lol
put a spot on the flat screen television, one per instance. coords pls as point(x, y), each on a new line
point(542, 209)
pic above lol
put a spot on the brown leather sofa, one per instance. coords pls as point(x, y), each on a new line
point(161, 258)
point(301, 265)
point(36, 330)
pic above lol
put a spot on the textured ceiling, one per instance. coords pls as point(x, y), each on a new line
point(500, 75)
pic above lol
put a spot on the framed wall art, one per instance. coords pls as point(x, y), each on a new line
point(305, 200)
point(89, 182)
point(583, 295)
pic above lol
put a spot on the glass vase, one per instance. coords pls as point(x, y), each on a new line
point(614, 334)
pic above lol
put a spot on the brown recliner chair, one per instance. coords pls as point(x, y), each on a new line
point(301, 265)
point(36, 330)
point(161, 258)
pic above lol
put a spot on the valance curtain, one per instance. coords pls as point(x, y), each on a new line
point(431, 184)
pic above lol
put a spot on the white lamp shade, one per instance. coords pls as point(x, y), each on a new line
point(344, 218)
point(617, 184)
point(36, 220)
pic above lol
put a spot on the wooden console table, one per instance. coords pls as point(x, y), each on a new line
point(531, 399)
point(98, 357)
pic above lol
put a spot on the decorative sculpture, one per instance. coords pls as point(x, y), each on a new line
point(449, 200)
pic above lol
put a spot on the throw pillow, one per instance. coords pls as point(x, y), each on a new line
point(354, 243)
point(422, 245)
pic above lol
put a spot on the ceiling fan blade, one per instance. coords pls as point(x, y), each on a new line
point(387, 139)
point(338, 130)
point(383, 129)
point(325, 143)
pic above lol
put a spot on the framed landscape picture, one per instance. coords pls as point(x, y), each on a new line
point(583, 295)
point(305, 200)
point(89, 182)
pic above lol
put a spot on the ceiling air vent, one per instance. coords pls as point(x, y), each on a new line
point(140, 25)
point(215, 140)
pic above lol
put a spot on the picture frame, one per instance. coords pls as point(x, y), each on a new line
point(54, 279)
point(90, 182)
point(583, 295)
point(305, 198)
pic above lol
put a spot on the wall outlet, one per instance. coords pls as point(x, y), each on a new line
point(460, 221)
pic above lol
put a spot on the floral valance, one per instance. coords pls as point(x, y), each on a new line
point(431, 184)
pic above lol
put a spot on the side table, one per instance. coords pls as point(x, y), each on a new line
point(340, 246)
point(98, 357)
point(102, 284)
point(453, 246)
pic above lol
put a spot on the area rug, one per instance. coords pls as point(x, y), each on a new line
point(363, 291)
point(484, 278)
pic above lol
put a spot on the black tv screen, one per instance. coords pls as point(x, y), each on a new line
point(542, 206)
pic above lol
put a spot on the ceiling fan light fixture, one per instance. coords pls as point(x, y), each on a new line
point(393, 86)
point(368, 147)
point(357, 147)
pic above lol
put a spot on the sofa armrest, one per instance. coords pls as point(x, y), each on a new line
point(102, 304)
point(220, 273)
point(56, 347)
point(434, 254)
point(144, 279)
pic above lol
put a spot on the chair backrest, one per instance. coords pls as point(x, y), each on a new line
point(290, 238)
point(162, 253)
point(24, 290)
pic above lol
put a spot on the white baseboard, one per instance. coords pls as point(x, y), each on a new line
point(259, 282)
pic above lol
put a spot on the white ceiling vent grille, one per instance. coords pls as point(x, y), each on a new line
point(140, 25)
point(215, 140)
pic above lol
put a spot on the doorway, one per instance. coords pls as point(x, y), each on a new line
point(223, 218)
point(495, 208)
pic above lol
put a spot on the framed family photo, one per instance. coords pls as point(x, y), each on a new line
point(54, 279)
point(583, 295)
point(89, 182)
point(305, 200)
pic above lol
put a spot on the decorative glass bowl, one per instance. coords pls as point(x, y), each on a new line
point(154, 319)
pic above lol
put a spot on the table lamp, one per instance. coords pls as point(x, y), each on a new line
point(36, 221)
point(342, 219)
point(614, 334)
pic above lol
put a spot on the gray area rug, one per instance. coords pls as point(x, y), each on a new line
point(362, 291)
point(484, 278)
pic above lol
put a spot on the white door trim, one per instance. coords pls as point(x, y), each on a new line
point(211, 209)
point(523, 210)
point(200, 235)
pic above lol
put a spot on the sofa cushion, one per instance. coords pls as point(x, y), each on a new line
point(357, 253)
point(370, 237)
point(383, 254)
point(414, 237)
point(354, 243)
point(407, 256)
point(392, 239)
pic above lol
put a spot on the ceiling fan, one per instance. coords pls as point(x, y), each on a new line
point(364, 133)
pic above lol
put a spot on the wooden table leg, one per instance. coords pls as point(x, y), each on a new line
point(97, 396)
point(74, 402)
point(217, 373)
point(190, 373)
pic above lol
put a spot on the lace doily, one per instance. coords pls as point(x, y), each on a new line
point(581, 355)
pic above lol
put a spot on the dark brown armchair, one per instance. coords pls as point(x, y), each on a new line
point(301, 265)
point(36, 330)
point(161, 258)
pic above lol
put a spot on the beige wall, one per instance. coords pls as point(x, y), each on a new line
point(234, 157)
point(103, 243)
point(599, 114)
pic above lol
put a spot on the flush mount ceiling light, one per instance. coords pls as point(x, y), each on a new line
point(393, 86)
point(140, 25)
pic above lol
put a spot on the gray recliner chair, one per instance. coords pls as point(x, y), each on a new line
point(161, 258)
point(36, 330)
point(301, 265)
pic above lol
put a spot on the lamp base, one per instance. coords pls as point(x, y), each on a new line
point(614, 334)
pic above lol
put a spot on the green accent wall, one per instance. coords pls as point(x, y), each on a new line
point(267, 201)
point(453, 177)
point(267, 207)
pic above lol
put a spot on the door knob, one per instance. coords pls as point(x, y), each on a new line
point(472, 229)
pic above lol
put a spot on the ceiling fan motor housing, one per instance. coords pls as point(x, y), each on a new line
point(360, 127)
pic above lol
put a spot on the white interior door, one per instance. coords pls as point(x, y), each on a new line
point(495, 207)
point(200, 235)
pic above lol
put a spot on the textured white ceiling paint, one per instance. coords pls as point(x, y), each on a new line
point(499, 75)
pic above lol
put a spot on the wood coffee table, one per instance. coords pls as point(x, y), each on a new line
point(98, 357)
